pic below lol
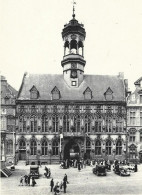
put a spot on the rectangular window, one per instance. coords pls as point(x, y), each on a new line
point(141, 118)
point(140, 99)
point(132, 138)
point(73, 83)
point(132, 118)
point(24, 126)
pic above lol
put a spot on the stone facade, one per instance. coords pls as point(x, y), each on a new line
point(7, 112)
point(89, 111)
point(134, 122)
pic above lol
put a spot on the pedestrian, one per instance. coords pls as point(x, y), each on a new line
point(64, 186)
point(136, 168)
point(28, 180)
point(79, 167)
point(21, 181)
point(66, 178)
point(49, 173)
point(33, 182)
point(56, 188)
point(61, 185)
point(52, 184)
point(84, 163)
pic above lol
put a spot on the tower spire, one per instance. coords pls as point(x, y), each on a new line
point(73, 15)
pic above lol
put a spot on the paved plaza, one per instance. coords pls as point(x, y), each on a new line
point(83, 182)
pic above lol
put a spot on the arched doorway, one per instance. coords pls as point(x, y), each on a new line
point(71, 150)
point(22, 150)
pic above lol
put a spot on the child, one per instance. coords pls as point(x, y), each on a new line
point(21, 180)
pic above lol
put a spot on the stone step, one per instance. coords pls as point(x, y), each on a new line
point(21, 162)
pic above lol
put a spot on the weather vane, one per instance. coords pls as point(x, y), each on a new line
point(73, 8)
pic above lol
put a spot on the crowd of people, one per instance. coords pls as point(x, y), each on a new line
point(57, 188)
point(27, 180)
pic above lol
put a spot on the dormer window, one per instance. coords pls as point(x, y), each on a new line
point(7, 100)
point(87, 94)
point(108, 94)
point(55, 93)
point(34, 93)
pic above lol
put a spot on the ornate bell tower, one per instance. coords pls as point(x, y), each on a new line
point(73, 62)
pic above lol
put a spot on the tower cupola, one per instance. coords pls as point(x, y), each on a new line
point(73, 62)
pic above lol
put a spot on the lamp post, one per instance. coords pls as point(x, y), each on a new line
point(50, 152)
point(61, 137)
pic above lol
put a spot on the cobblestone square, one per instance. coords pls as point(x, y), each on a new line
point(83, 182)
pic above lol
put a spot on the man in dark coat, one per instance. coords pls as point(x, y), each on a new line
point(79, 166)
point(136, 168)
point(52, 184)
point(64, 186)
point(29, 178)
point(65, 178)
point(33, 181)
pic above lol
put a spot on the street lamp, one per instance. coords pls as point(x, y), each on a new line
point(61, 137)
point(50, 152)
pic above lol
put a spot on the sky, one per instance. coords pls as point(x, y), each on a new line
point(31, 41)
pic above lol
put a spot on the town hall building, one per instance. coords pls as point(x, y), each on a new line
point(72, 115)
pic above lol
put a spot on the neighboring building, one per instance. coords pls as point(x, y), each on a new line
point(7, 112)
point(134, 122)
point(89, 110)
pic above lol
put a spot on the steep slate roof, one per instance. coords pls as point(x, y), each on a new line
point(97, 83)
point(7, 89)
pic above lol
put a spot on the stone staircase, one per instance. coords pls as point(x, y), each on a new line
point(5, 172)
point(21, 163)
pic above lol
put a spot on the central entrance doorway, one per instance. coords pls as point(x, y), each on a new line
point(71, 150)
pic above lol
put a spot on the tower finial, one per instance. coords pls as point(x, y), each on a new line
point(73, 15)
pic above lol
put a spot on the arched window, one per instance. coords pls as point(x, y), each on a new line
point(66, 123)
point(98, 126)
point(132, 151)
point(108, 125)
point(88, 144)
point(132, 135)
point(55, 123)
point(66, 48)
point(22, 144)
point(87, 123)
point(44, 147)
point(119, 148)
point(22, 124)
point(34, 124)
point(9, 147)
point(77, 123)
point(33, 147)
point(119, 125)
point(80, 48)
point(108, 147)
point(98, 147)
point(73, 46)
point(44, 124)
point(55, 148)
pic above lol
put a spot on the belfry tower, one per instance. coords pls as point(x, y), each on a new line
point(73, 62)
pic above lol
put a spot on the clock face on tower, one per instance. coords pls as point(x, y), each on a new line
point(74, 74)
